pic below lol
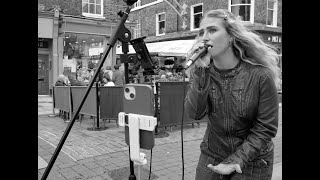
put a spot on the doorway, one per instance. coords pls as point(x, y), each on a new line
point(43, 74)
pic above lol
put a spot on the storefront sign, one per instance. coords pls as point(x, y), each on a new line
point(70, 64)
point(95, 51)
point(275, 39)
point(45, 28)
point(43, 43)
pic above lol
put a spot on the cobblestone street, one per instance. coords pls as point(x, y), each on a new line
point(94, 154)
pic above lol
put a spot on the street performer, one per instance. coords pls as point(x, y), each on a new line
point(234, 85)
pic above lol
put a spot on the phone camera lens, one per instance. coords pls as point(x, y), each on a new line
point(127, 90)
point(131, 95)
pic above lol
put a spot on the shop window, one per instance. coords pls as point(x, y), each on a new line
point(161, 24)
point(196, 15)
point(272, 8)
point(92, 8)
point(243, 8)
point(82, 52)
point(137, 30)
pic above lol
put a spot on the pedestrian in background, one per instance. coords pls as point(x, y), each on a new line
point(234, 84)
point(108, 81)
point(108, 71)
point(74, 81)
point(118, 76)
point(61, 81)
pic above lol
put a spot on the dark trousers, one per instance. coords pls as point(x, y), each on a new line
point(260, 169)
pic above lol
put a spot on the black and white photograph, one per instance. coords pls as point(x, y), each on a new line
point(160, 90)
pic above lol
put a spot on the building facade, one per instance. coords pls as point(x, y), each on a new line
point(159, 20)
point(72, 35)
point(167, 20)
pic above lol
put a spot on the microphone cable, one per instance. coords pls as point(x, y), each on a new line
point(193, 58)
point(150, 163)
point(155, 115)
point(184, 94)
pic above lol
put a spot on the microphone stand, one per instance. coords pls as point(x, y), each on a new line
point(122, 34)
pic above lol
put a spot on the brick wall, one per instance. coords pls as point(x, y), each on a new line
point(143, 2)
point(174, 22)
point(112, 7)
point(260, 12)
point(148, 18)
point(148, 15)
point(279, 13)
point(74, 7)
point(70, 7)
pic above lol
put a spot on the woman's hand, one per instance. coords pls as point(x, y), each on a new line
point(225, 169)
point(201, 61)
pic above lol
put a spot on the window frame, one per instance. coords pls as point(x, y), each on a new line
point(275, 13)
point(157, 23)
point(137, 30)
point(90, 14)
point(251, 9)
point(192, 16)
point(146, 5)
point(137, 4)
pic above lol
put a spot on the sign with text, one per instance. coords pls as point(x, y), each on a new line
point(273, 38)
point(95, 51)
point(43, 43)
point(70, 64)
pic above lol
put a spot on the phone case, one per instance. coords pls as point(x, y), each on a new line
point(141, 102)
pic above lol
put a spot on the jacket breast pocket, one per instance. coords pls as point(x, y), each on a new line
point(239, 98)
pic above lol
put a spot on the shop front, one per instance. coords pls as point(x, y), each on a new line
point(84, 42)
point(167, 55)
point(43, 66)
point(81, 54)
point(46, 51)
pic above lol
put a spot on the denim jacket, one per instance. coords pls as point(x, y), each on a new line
point(242, 108)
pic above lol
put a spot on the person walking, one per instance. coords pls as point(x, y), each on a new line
point(118, 76)
point(235, 86)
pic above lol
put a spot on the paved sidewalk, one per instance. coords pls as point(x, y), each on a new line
point(93, 155)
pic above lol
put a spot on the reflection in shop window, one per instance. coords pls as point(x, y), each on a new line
point(82, 51)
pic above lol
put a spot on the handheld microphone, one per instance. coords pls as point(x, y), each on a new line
point(196, 55)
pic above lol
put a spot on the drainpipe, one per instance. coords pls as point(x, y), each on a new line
point(55, 56)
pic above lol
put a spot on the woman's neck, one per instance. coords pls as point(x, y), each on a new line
point(226, 61)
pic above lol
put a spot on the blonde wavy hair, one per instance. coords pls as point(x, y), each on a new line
point(249, 46)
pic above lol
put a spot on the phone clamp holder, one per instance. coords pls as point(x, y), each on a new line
point(136, 122)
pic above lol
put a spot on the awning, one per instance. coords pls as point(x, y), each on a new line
point(165, 48)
